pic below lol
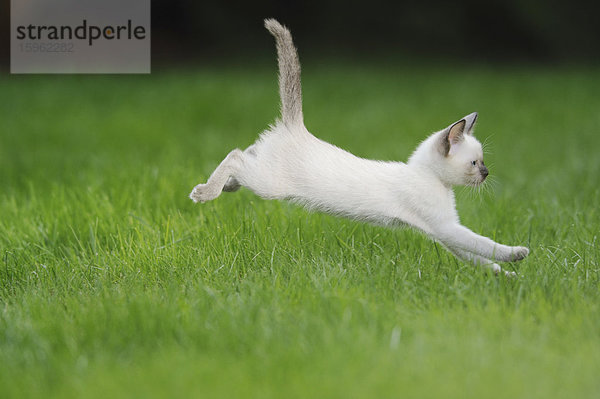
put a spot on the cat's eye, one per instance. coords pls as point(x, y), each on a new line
point(474, 163)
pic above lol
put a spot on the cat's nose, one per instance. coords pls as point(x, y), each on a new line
point(484, 172)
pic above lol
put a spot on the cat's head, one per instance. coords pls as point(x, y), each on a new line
point(454, 154)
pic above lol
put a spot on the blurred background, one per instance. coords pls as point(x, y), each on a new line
point(498, 30)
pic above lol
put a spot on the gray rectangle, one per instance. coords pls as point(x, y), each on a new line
point(80, 36)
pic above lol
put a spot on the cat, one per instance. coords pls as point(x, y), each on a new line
point(287, 162)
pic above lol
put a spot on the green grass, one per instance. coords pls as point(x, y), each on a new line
point(114, 284)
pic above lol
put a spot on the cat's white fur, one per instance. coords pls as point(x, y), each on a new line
point(288, 162)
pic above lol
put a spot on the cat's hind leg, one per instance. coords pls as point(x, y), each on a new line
point(223, 178)
point(232, 183)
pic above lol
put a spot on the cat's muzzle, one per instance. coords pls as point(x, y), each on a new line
point(484, 173)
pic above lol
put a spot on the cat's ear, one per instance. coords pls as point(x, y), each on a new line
point(455, 132)
point(464, 126)
point(470, 122)
point(451, 135)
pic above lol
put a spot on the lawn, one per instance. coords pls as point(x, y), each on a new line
point(114, 284)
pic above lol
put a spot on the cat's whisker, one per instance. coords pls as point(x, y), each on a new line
point(487, 144)
point(491, 185)
point(469, 192)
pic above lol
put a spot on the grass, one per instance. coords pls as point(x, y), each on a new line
point(114, 284)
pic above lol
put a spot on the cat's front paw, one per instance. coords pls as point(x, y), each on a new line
point(497, 270)
point(508, 274)
point(519, 253)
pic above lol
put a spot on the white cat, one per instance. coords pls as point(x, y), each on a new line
point(287, 162)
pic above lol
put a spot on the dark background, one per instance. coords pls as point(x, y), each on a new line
point(509, 30)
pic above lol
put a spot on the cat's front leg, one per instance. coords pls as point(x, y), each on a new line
point(454, 235)
point(480, 261)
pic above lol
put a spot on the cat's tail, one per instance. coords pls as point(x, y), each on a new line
point(290, 89)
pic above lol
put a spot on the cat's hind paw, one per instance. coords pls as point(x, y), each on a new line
point(195, 195)
point(202, 193)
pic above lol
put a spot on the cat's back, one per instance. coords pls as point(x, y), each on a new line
point(296, 153)
point(297, 166)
